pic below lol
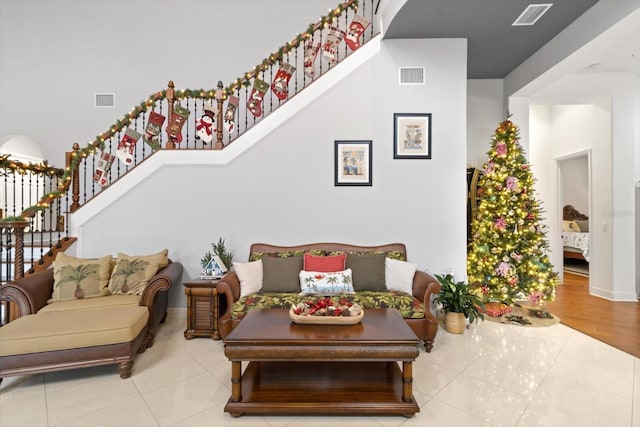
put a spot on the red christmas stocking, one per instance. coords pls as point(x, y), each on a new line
point(355, 31)
point(280, 85)
point(176, 122)
point(127, 146)
point(102, 169)
point(152, 131)
point(311, 50)
point(204, 127)
point(257, 95)
point(229, 121)
point(330, 46)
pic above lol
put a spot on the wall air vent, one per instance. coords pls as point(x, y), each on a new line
point(105, 100)
point(411, 75)
point(531, 14)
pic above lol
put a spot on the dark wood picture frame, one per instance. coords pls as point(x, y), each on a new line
point(412, 135)
point(353, 163)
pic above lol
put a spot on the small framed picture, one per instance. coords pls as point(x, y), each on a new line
point(353, 163)
point(411, 136)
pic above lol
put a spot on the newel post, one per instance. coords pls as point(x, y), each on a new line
point(171, 97)
point(220, 99)
point(70, 159)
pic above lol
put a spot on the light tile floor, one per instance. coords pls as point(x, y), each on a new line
point(492, 375)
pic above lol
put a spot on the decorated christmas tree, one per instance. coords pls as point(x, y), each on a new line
point(507, 259)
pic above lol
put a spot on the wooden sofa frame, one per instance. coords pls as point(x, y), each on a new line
point(424, 286)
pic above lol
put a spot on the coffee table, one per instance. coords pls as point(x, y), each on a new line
point(321, 369)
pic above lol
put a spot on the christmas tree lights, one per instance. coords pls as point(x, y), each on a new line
point(507, 259)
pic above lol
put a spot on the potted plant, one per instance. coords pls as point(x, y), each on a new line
point(459, 303)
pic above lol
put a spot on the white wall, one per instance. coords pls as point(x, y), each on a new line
point(56, 55)
point(282, 190)
point(613, 256)
point(485, 110)
point(575, 182)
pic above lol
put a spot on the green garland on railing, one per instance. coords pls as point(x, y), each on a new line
point(20, 168)
point(144, 106)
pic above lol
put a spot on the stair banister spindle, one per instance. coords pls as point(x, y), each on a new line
point(75, 177)
point(171, 96)
point(220, 100)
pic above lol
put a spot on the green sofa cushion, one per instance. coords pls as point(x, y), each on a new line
point(408, 306)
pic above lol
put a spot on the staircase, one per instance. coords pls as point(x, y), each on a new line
point(222, 122)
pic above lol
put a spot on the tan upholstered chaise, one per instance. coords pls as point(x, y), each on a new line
point(83, 332)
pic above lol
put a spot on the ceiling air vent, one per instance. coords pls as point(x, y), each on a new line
point(411, 75)
point(531, 14)
point(105, 100)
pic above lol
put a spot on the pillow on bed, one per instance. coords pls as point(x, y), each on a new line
point(583, 225)
point(570, 226)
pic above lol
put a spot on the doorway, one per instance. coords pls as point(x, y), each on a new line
point(574, 202)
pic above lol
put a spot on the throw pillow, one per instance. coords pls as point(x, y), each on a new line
point(368, 271)
point(570, 226)
point(281, 274)
point(324, 263)
point(583, 225)
point(398, 275)
point(132, 272)
point(250, 275)
point(78, 278)
point(326, 283)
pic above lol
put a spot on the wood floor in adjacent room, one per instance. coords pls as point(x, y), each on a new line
point(615, 323)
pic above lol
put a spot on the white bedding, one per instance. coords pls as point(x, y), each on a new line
point(577, 240)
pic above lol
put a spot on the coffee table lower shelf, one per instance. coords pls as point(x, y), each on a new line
point(322, 388)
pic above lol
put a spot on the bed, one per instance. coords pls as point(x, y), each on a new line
point(575, 234)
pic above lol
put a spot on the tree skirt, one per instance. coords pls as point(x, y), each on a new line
point(525, 315)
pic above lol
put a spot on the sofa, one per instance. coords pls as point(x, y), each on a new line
point(86, 312)
point(278, 277)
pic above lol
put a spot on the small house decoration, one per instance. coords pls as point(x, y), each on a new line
point(216, 262)
point(214, 269)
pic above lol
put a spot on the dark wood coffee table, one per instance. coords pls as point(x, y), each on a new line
point(321, 369)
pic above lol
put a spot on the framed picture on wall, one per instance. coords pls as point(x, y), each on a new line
point(412, 136)
point(352, 163)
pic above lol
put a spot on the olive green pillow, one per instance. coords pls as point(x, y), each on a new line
point(281, 274)
point(367, 271)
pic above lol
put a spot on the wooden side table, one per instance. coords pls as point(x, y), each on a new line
point(202, 308)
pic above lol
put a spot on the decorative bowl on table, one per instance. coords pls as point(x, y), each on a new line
point(326, 312)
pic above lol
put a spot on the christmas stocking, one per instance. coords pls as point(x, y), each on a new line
point(280, 85)
point(204, 127)
point(152, 131)
point(257, 95)
point(330, 46)
point(356, 29)
point(102, 169)
point(127, 146)
point(311, 50)
point(176, 122)
point(229, 121)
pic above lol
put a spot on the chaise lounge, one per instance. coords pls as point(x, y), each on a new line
point(91, 326)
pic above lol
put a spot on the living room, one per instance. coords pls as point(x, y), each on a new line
point(281, 190)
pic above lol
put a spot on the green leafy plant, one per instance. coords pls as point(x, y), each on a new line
point(219, 249)
point(457, 297)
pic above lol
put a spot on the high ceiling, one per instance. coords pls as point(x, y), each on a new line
point(495, 47)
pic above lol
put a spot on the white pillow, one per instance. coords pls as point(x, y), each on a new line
point(250, 275)
point(326, 283)
point(399, 275)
